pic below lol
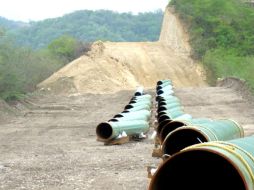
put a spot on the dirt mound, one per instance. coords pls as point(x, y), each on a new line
point(110, 67)
point(237, 85)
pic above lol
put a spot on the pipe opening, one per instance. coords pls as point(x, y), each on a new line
point(113, 120)
point(162, 124)
point(161, 113)
point(181, 139)
point(126, 111)
point(199, 170)
point(158, 88)
point(162, 108)
point(138, 94)
point(169, 128)
point(118, 116)
point(159, 83)
point(159, 98)
point(132, 102)
point(160, 92)
point(104, 131)
point(163, 118)
point(128, 107)
point(162, 103)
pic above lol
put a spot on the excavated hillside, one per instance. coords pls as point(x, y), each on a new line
point(110, 67)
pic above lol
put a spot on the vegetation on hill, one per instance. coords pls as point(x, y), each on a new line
point(90, 26)
point(31, 52)
point(21, 69)
point(222, 36)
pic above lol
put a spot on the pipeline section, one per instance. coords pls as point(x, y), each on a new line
point(212, 165)
point(132, 121)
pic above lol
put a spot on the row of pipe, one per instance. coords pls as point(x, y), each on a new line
point(202, 153)
point(132, 121)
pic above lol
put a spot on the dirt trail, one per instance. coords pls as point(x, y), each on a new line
point(53, 144)
point(52, 148)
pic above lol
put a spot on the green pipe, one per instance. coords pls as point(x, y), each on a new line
point(146, 96)
point(160, 82)
point(161, 97)
point(168, 100)
point(130, 118)
point(167, 121)
point(210, 166)
point(219, 130)
point(139, 91)
point(165, 92)
point(171, 115)
point(142, 100)
point(165, 88)
point(138, 115)
point(164, 130)
point(164, 117)
point(138, 104)
point(111, 130)
point(169, 107)
point(162, 110)
point(138, 108)
point(140, 112)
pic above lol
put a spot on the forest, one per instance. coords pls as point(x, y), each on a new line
point(221, 35)
point(87, 26)
point(31, 52)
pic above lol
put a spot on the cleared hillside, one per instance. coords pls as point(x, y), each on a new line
point(112, 66)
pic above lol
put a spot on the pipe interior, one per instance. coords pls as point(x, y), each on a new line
point(169, 128)
point(118, 116)
point(162, 108)
point(198, 170)
point(104, 130)
point(160, 92)
point(159, 83)
point(162, 103)
point(181, 139)
point(158, 88)
point(161, 125)
point(163, 118)
point(138, 94)
point(132, 102)
point(128, 107)
point(113, 120)
point(161, 113)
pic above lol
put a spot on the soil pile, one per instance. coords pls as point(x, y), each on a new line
point(110, 67)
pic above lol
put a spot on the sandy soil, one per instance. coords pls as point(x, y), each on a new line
point(53, 146)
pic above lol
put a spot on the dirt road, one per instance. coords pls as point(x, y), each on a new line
point(54, 145)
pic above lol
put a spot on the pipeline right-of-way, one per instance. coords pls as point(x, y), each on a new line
point(199, 153)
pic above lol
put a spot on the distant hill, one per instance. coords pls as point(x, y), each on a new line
point(11, 25)
point(87, 26)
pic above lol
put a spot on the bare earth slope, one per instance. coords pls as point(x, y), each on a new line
point(111, 67)
point(53, 145)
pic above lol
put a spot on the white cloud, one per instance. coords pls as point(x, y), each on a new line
point(37, 10)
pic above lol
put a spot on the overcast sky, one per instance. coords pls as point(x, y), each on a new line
point(26, 10)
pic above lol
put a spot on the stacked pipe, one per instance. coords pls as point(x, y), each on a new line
point(212, 151)
point(168, 106)
point(132, 121)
